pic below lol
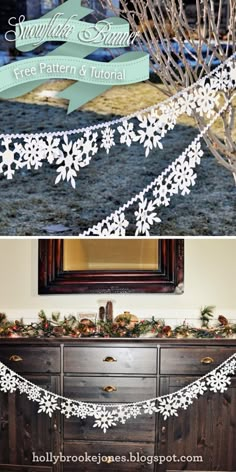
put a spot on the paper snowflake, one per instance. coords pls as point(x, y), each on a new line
point(82, 410)
point(183, 175)
point(8, 383)
point(150, 407)
point(108, 139)
point(33, 152)
point(221, 81)
point(52, 151)
point(146, 216)
point(10, 159)
point(170, 114)
point(195, 154)
point(69, 161)
point(120, 224)
point(121, 414)
point(206, 99)
point(67, 408)
point(135, 410)
point(218, 382)
point(187, 103)
point(199, 388)
point(229, 368)
point(104, 419)
point(127, 133)
point(167, 407)
point(34, 393)
point(163, 191)
point(151, 131)
point(48, 404)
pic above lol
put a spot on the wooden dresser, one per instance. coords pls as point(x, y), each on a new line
point(117, 370)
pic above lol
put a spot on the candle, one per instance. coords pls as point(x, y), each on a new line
point(109, 312)
point(101, 313)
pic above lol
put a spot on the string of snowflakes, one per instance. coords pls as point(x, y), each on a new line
point(70, 155)
point(106, 416)
point(179, 177)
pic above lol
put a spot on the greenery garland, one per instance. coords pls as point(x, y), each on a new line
point(122, 327)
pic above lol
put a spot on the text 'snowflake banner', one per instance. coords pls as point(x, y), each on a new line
point(68, 61)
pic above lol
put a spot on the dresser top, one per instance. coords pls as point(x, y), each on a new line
point(92, 341)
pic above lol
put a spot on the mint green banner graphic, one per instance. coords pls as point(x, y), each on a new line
point(68, 61)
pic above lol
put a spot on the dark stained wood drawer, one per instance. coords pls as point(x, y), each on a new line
point(123, 390)
point(197, 360)
point(26, 359)
point(108, 449)
point(128, 390)
point(141, 428)
point(110, 360)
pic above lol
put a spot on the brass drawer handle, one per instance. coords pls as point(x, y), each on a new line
point(109, 389)
point(15, 358)
point(207, 360)
point(109, 359)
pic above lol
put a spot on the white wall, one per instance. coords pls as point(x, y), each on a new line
point(210, 279)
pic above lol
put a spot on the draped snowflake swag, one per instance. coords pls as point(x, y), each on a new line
point(108, 415)
point(70, 153)
point(178, 178)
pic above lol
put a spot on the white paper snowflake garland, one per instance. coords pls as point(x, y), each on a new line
point(178, 178)
point(70, 153)
point(106, 416)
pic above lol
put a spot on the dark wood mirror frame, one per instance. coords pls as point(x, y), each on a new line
point(53, 279)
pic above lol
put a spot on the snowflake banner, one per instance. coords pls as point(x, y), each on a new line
point(178, 178)
point(72, 150)
point(106, 416)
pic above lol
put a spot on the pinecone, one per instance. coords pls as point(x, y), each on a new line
point(222, 320)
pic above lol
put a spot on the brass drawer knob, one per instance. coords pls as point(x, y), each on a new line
point(15, 358)
point(207, 360)
point(109, 389)
point(109, 359)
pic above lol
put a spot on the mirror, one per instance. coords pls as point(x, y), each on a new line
point(92, 254)
point(111, 266)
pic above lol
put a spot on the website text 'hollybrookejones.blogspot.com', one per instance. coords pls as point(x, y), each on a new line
point(135, 457)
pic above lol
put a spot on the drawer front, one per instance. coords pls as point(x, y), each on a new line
point(129, 455)
point(142, 429)
point(113, 360)
point(124, 390)
point(194, 360)
point(110, 389)
point(31, 359)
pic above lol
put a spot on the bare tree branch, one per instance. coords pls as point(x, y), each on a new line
point(159, 23)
